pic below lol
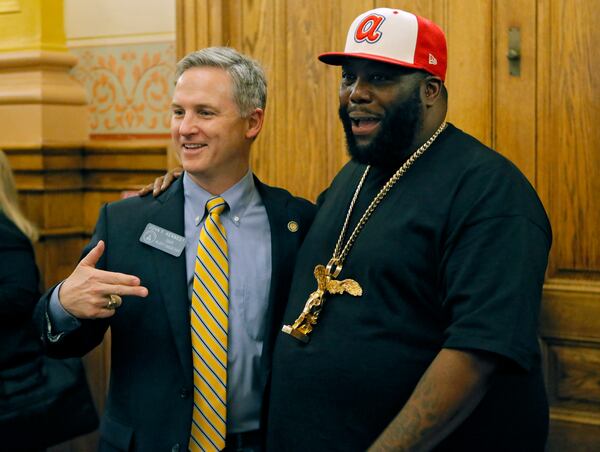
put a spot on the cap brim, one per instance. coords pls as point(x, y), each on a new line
point(339, 58)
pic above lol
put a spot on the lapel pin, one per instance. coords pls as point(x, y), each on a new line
point(292, 226)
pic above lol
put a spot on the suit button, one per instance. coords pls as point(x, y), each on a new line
point(175, 448)
point(184, 393)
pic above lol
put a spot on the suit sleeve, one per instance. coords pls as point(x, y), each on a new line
point(91, 332)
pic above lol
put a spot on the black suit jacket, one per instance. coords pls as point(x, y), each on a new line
point(19, 281)
point(149, 403)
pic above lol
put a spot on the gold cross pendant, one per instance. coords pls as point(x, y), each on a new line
point(326, 284)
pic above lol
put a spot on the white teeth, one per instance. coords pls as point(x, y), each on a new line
point(193, 146)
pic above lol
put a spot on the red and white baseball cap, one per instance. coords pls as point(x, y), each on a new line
point(396, 37)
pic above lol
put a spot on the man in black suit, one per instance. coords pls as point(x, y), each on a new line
point(154, 398)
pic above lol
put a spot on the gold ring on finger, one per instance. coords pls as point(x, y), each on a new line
point(114, 301)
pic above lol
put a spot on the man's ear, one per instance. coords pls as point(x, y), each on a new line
point(432, 91)
point(255, 123)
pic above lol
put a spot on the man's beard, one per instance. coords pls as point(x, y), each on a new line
point(392, 144)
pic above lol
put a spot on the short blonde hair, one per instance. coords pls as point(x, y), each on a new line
point(9, 203)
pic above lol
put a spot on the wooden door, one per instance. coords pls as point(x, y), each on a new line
point(568, 180)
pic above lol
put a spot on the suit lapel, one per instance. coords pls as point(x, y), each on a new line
point(172, 274)
point(281, 250)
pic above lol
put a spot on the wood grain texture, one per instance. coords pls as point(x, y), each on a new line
point(575, 369)
point(425, 8)
point(307, 109)
point(574, 434)
point(571, 315)
point(569, 139)
point(469, 77)
point(514, 96)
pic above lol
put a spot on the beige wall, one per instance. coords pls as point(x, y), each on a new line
point(126, 52)
point(118, 21)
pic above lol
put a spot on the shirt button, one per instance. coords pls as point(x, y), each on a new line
point(184, 393)
point(236, 219)
point(175, 448)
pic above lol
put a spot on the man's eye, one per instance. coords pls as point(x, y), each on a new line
point(379, 77)
point(177, 112)
point(205, 113)
point(348, 78)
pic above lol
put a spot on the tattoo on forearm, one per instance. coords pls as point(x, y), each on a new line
point(415, 423)
point(446, 394)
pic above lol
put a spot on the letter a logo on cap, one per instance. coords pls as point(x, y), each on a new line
point(368, 29)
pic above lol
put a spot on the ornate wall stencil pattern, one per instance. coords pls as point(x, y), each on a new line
point(129, 87)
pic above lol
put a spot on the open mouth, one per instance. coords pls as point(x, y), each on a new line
point(192, 146)
point(364, 125)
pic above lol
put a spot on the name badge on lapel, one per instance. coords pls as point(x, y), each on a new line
point(163, 240)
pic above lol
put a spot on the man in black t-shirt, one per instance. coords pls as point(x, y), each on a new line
point(412, 318)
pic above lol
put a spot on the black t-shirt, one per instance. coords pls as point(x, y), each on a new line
point(453, 257)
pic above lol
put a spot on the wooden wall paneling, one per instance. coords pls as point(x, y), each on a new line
point(567, 169)
point(115, 169)
point(426, 8)
point(301, 92)
point(255, 29)
point(570, 331)
point(58, 253)
point(306, 107)
point(469, 32)
point(571, 313)
point(514, 96)
point(199, 23)
point(575, 366)
point(569, 434)
point(233, 20)
point(568, 136)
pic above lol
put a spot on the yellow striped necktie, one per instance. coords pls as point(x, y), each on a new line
point(209, 321)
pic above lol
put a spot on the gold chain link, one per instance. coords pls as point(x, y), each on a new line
point(338, 257)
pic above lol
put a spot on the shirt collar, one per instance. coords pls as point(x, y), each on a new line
point(238, 197)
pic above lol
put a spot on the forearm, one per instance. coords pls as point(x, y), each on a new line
point(446, 394)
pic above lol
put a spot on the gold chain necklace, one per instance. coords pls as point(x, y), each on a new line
point(325, 276)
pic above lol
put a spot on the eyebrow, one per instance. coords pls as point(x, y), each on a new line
point(201, 105)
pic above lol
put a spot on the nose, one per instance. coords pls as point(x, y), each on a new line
point(360, 91)
point(187, 126)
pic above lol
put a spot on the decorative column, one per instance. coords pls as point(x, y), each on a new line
point(40, 104)
point(43, 126)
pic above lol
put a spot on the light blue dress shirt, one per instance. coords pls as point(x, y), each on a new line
point(249, 244)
